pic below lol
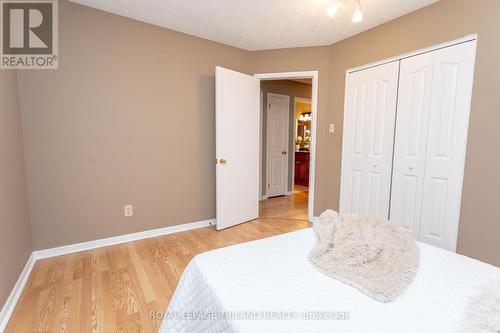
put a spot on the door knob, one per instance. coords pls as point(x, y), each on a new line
point(410, 167)
point(375, 165)
point(283, 152)
point(223, 161)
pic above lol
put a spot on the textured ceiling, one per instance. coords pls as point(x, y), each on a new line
point(260, 24)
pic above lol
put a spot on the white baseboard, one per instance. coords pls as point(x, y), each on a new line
point(264, 197)
point(11, 302)
point(58, 251)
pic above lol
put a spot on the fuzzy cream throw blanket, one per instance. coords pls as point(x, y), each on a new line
point(372, 255)
point(483, 313)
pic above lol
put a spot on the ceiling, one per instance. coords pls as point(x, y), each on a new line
point(260, 24)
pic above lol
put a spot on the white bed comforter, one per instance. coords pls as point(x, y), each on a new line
point(274, 274)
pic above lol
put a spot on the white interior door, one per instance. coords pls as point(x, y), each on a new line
point(446, 145)
point(368, 139)
point(237, 147)
point(414, 99)
point(278, 108)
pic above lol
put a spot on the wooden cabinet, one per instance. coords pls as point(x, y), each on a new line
point(302, 168)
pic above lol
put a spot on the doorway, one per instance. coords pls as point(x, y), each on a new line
point(302, 141)
point(288, 120)
point(238, 144)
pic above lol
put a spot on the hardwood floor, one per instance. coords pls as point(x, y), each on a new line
point(114, 289)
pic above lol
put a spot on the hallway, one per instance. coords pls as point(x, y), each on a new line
point(290, 207)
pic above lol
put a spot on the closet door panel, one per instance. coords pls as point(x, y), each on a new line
point(414, 99)
point(446, 145)
point(368, 140)
point(353, 171)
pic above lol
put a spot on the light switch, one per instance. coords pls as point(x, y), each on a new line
point(331, 128)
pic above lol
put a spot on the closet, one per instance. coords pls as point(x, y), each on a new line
point(404, 141)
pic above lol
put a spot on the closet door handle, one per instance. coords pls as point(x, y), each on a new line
point(375, 165)
point(411, 167)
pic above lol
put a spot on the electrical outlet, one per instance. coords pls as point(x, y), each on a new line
point(128, 210)
point(331, 128)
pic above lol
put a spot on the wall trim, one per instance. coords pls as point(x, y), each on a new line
point(16, 292)
point(61, 250)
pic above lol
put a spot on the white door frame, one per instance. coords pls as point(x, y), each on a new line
point(262, 196)
point(313, 75)
point(287, 125)
point(295, 100)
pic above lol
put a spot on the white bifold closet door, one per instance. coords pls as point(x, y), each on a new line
point(430, 143)
point(367, 148)
point(414, 99)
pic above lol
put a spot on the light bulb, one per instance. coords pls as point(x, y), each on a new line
point(358, 14)
point(333, 9)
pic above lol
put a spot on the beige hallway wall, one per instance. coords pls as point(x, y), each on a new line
point(15, 235)
point(447, 19)
point(127, 119)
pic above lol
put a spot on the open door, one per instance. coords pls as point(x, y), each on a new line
point(237, 126)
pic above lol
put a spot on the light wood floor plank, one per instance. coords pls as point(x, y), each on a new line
point(114, 289)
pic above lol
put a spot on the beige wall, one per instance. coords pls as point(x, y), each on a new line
point(291, 89)
point(99, 131)
point(15, 236)
point(447, 19)
point(127, 119)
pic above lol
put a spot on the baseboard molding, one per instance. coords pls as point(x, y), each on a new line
point(265, 197)
point(11, 302)
point(62, 250)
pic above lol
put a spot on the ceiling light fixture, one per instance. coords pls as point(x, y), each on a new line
point(358, 14)
point(333, 9)
point(305, 117)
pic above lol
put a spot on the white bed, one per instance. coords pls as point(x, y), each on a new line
point(274, 274)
